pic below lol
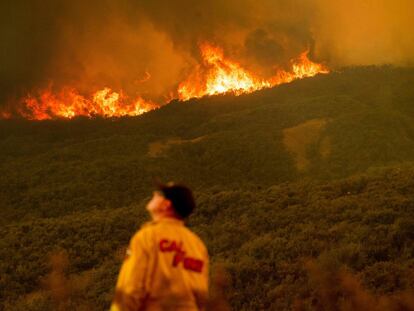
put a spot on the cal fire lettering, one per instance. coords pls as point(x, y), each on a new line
point(189, 263)
point(167, 246)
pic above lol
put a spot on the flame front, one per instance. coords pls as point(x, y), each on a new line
point(219, 75)
point(215, 75)
point(68, 103)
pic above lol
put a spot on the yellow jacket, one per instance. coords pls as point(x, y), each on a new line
point(166, 268)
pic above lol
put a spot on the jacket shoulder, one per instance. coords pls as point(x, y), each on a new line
point(144, 235)
point(197, 239)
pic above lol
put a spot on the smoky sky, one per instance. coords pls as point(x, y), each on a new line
point(147, 47)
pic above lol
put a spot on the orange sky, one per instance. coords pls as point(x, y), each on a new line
point(93, 44)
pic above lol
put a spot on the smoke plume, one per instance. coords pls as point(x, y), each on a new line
point(147, 48)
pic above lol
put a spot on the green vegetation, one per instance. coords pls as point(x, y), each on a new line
point(318, 169)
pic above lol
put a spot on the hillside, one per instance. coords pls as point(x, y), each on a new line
point(319, 168)
point(262, 238)
point(325, 127)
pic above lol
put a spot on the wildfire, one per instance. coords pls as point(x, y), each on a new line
point(219, 75)
point(68, 103)
point(215, 75)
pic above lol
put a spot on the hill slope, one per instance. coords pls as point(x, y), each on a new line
point(325, 127)
point(262, 238)
point(273, 172)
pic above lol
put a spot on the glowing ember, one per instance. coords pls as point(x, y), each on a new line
point(219, 75)
point(68, 103)
point(5, 115)
point(216, 75)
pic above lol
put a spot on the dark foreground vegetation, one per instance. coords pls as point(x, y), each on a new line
point(264, 239)
point(305, 196)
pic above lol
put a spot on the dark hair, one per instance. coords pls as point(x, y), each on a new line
point(180, 196)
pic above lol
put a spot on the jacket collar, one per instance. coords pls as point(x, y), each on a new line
point(170, 220)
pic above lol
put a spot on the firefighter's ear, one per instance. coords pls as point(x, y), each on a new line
point(167, 205)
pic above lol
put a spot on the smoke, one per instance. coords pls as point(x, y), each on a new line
point(355, 32)
point(148, 47)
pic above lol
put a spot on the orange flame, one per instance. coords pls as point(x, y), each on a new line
point(216, 75)
point(219, 75)
point(68, 103)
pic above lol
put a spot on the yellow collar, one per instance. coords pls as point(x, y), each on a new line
point(170, 220)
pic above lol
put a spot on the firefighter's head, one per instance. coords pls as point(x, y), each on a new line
point(171, 200)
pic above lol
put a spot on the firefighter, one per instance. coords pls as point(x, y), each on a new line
point(166, 265)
